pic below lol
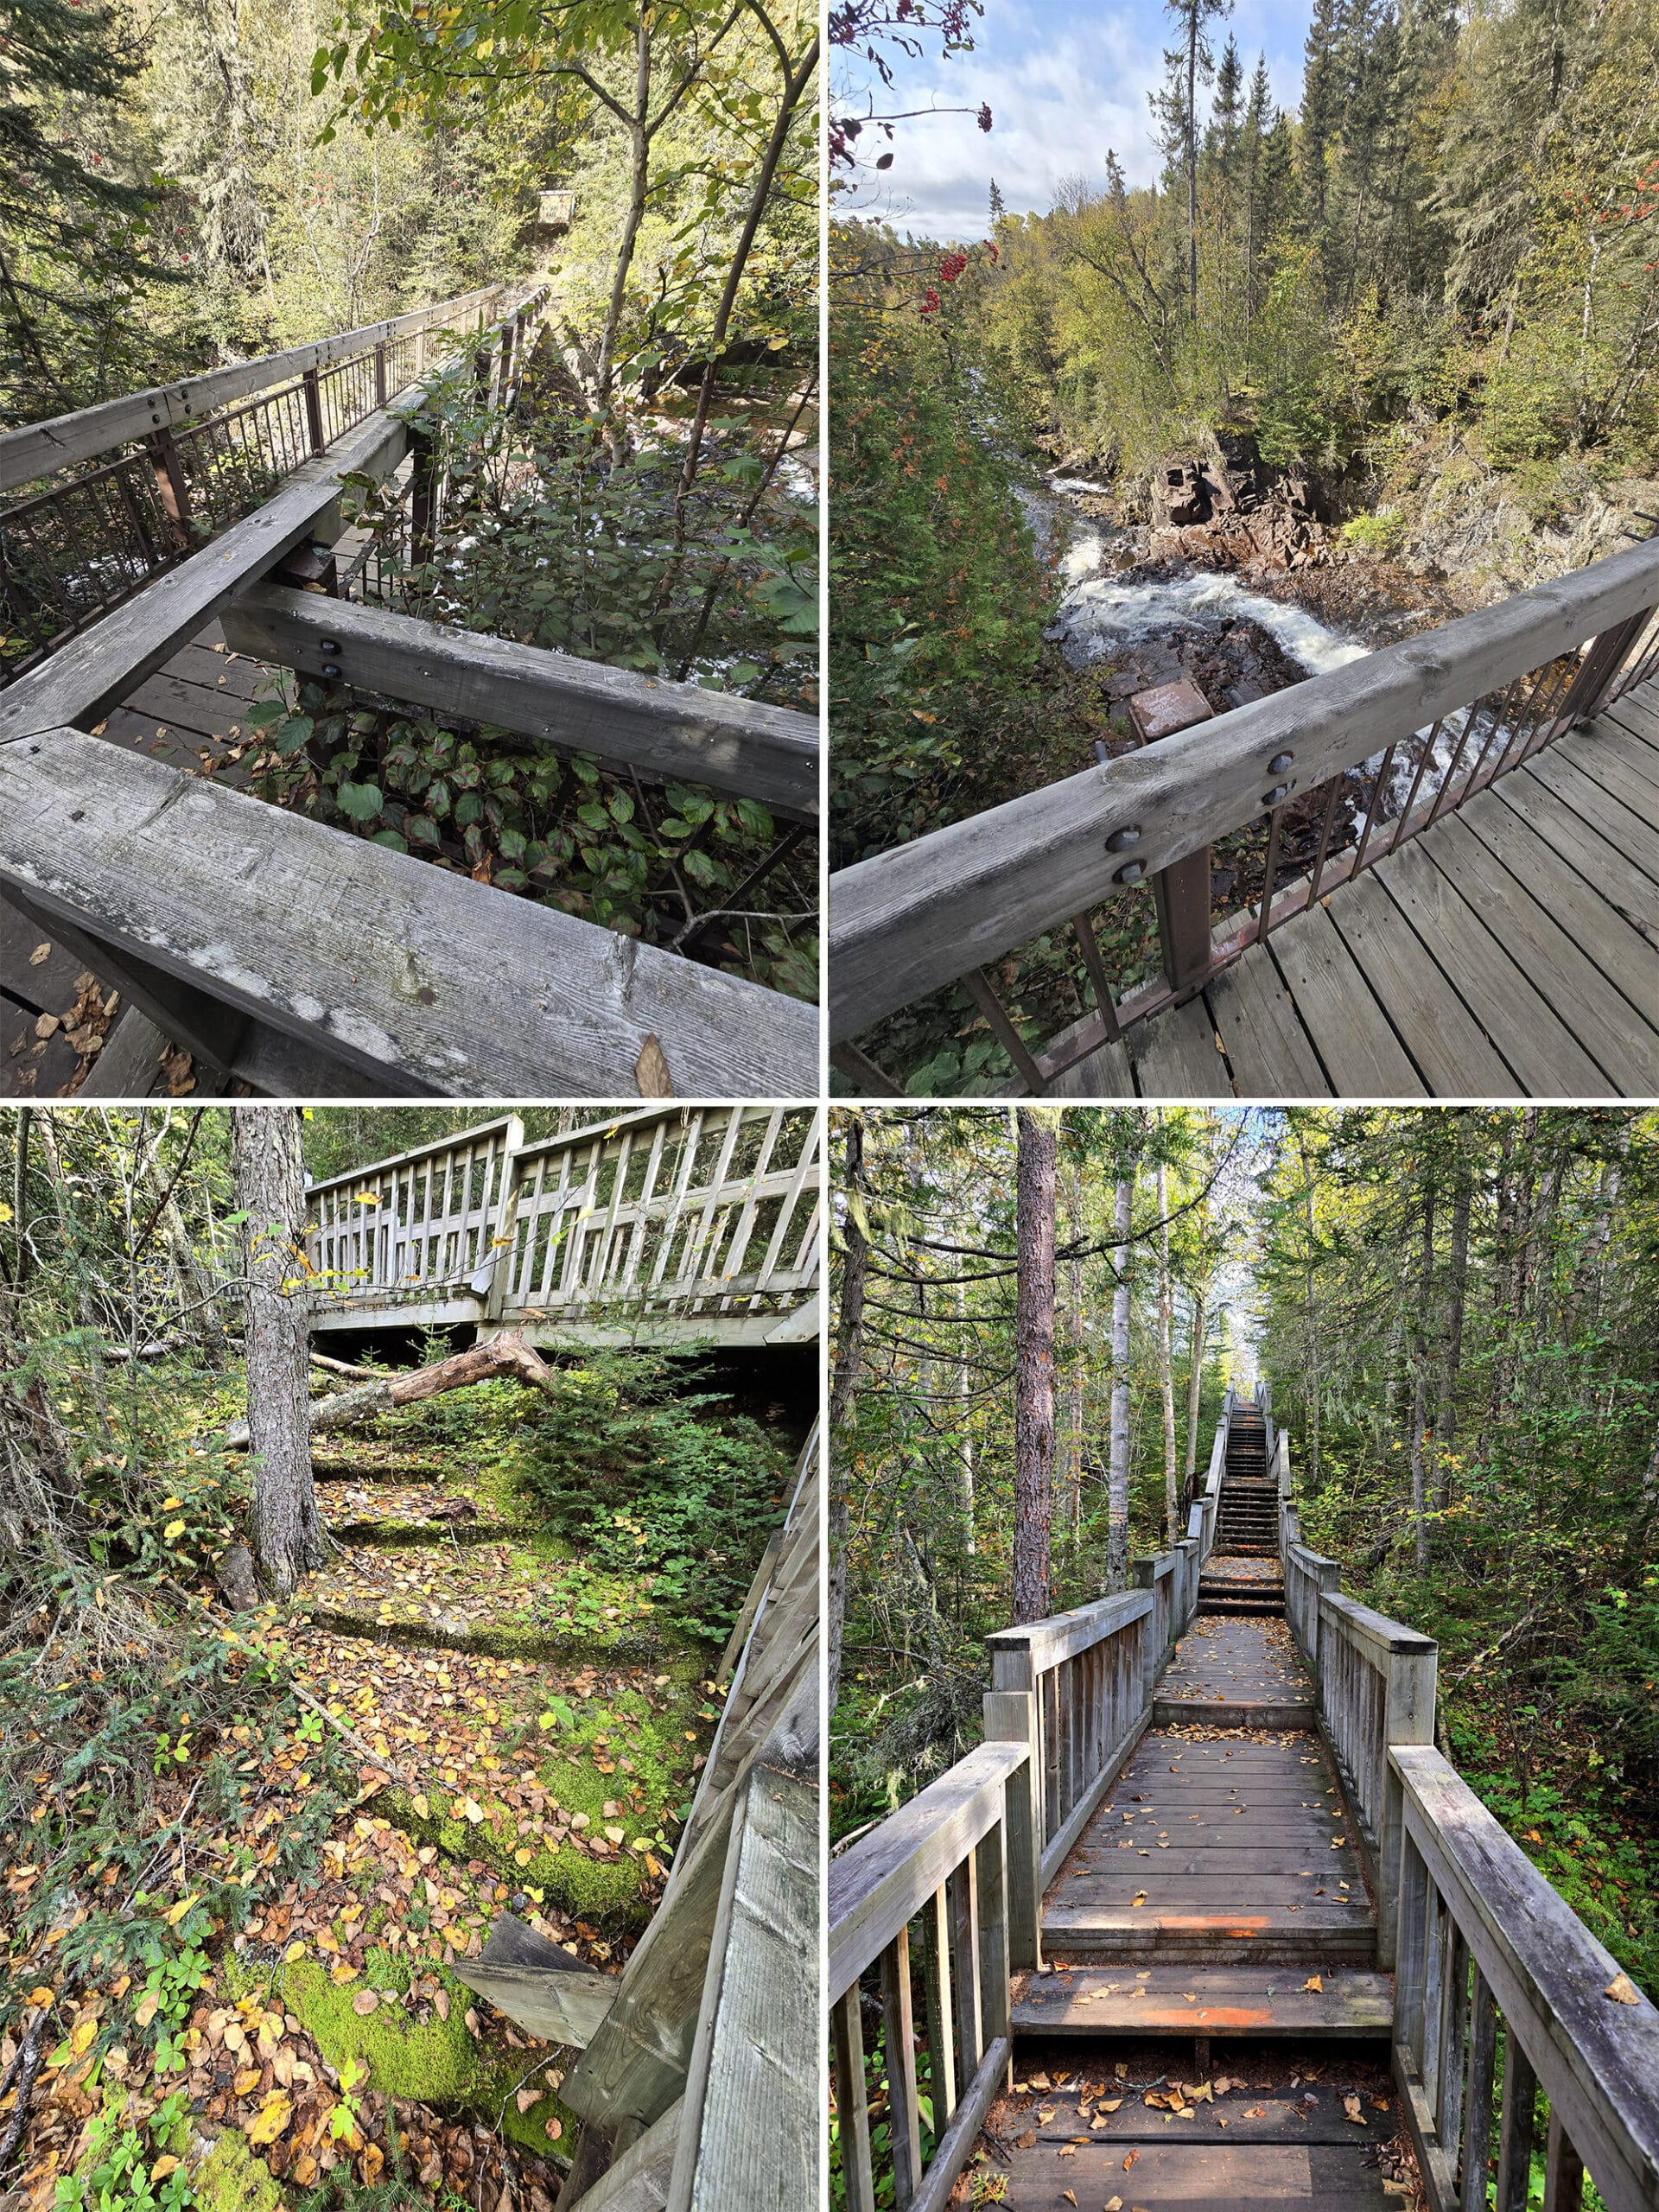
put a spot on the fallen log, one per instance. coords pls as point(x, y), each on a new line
point(505, 1354)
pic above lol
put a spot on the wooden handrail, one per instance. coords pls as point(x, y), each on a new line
point(908, 921)
point(1477, 1936)
point(38, 449)
point(1537, 1966)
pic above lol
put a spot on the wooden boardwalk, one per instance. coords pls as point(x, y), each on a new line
point(190, 713)
point(1510, 951)
point(1215, 1892)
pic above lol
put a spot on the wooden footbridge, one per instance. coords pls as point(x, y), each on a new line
point(1206, 1919)
point(1432, 873)
point(663, 1225)
point(165, 555)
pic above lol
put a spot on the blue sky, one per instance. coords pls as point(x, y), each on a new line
point(1064, 81)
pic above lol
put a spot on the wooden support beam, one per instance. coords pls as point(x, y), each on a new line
point(417, 977)
point(670, 730)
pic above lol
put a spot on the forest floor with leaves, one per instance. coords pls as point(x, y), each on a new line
point(470, 1723)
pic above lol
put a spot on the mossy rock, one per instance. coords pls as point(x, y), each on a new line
point(436, 2061)
point(229, 2178)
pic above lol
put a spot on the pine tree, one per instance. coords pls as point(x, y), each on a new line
point(996, 205)
point(1322, 88)
point(69, 226)
point(1175, 110)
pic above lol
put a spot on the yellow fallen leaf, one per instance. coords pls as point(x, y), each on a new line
point(422, 1808)
point(1622, 1990)
point(82, 2037)
point(1067, 2195)
point(246, 2082)
point(162, 2167)
point(1114, 2205)
point(1314, 1982)
point(1350, 2106)
point(341, 1975)
point(176, 1913)
point(272, 2117)
point(1109, 2104)
point(146, 2007)
point(373, 2160)
point(173, 1530)
point(472, 1809)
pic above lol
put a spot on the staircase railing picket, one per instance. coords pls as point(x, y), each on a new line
point(1500, 1990)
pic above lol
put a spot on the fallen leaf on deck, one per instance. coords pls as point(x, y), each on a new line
point(1130, 2160)
point(1622, 1990)
point(1350, 2106)
point(1314, 1982)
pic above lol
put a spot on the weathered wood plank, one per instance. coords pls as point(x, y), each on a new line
point(539, 1985)
point(1599, 1014)
point(1595, 2059)
point(1616, 823)
point(1213, 1999)
point(1270, 1053)
point(1360, 1054)
point(1455, 1056)
point(1175, 1056)
point(905, 922)
point(403, 970)
point(96, 669)
point(1548, 1059)
point(678, 730)
point(39, 448)
point(751, 2095)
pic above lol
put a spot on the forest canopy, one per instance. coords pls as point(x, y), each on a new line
point(1451, 1306)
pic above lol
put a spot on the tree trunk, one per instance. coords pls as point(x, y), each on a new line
point(1445, 1427)
point(486, 1361)
point(639, 181)
point(1420, 1388)
point(1033, 1371)
point(1166, 1359)
point(1117, 1479)
point(1195, 1385)
point(288, 1538)
point(1601, 1229)
point(965, 1434)
point(843, 1392)
point(1075, 1392)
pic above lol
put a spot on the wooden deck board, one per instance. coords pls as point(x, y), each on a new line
point(1360, 1051)
point(1105, 1073)
point(1175, 1056)
point(1210, 2177)
point(1597, 1011)
point(1511, 949)
point(1451, 1050)
point(1225, 1658)
point(1271, 1054)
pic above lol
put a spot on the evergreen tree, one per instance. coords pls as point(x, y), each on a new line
point(1322, 93)
point(1187, 66)
point(71, 226)
point(996, 205)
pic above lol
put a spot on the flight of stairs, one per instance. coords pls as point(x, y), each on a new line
point(1247, 1526)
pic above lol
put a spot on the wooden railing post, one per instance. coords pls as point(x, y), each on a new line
point(423, 473)
point(380, 373)
point(170, 483)
point(1011, 1718)
point(1182, 890)
point(314, 409)
point(503, 1238)
point(1408, 1718)
point(1597, 672)
point(1146, 1578)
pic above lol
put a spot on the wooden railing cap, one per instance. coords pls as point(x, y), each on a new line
point(1375, 1627)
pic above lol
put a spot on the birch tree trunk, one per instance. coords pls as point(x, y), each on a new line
point(964, 1429)
point(843, 1391)
point(1195, 1384)
point(288, 1538)
point(1446, 1426)
point(1034, 1372)
point(1117, 1478)
point(1165, 1357)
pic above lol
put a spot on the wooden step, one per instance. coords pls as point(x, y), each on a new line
point(1227, 1713)
point(1276, 1933)
point(1245, 2000)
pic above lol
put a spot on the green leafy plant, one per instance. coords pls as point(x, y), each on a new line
point(122, 2170)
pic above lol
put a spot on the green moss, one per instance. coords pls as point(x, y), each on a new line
point(439, 2061)
point(230, 2179)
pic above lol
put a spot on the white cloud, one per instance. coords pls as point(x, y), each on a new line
point(1064, 82)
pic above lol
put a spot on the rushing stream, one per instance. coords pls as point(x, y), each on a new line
point(1157, 628)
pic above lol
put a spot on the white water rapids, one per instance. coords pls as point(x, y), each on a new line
point(1100, 618)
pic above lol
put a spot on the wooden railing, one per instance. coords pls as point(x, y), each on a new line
point(302, 961)
point(96, 529)
point(966, 1863)
point(1309, 786)
point(669, 1222)
point(1500, 1990)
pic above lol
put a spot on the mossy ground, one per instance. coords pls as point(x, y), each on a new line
point(229, 2178)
